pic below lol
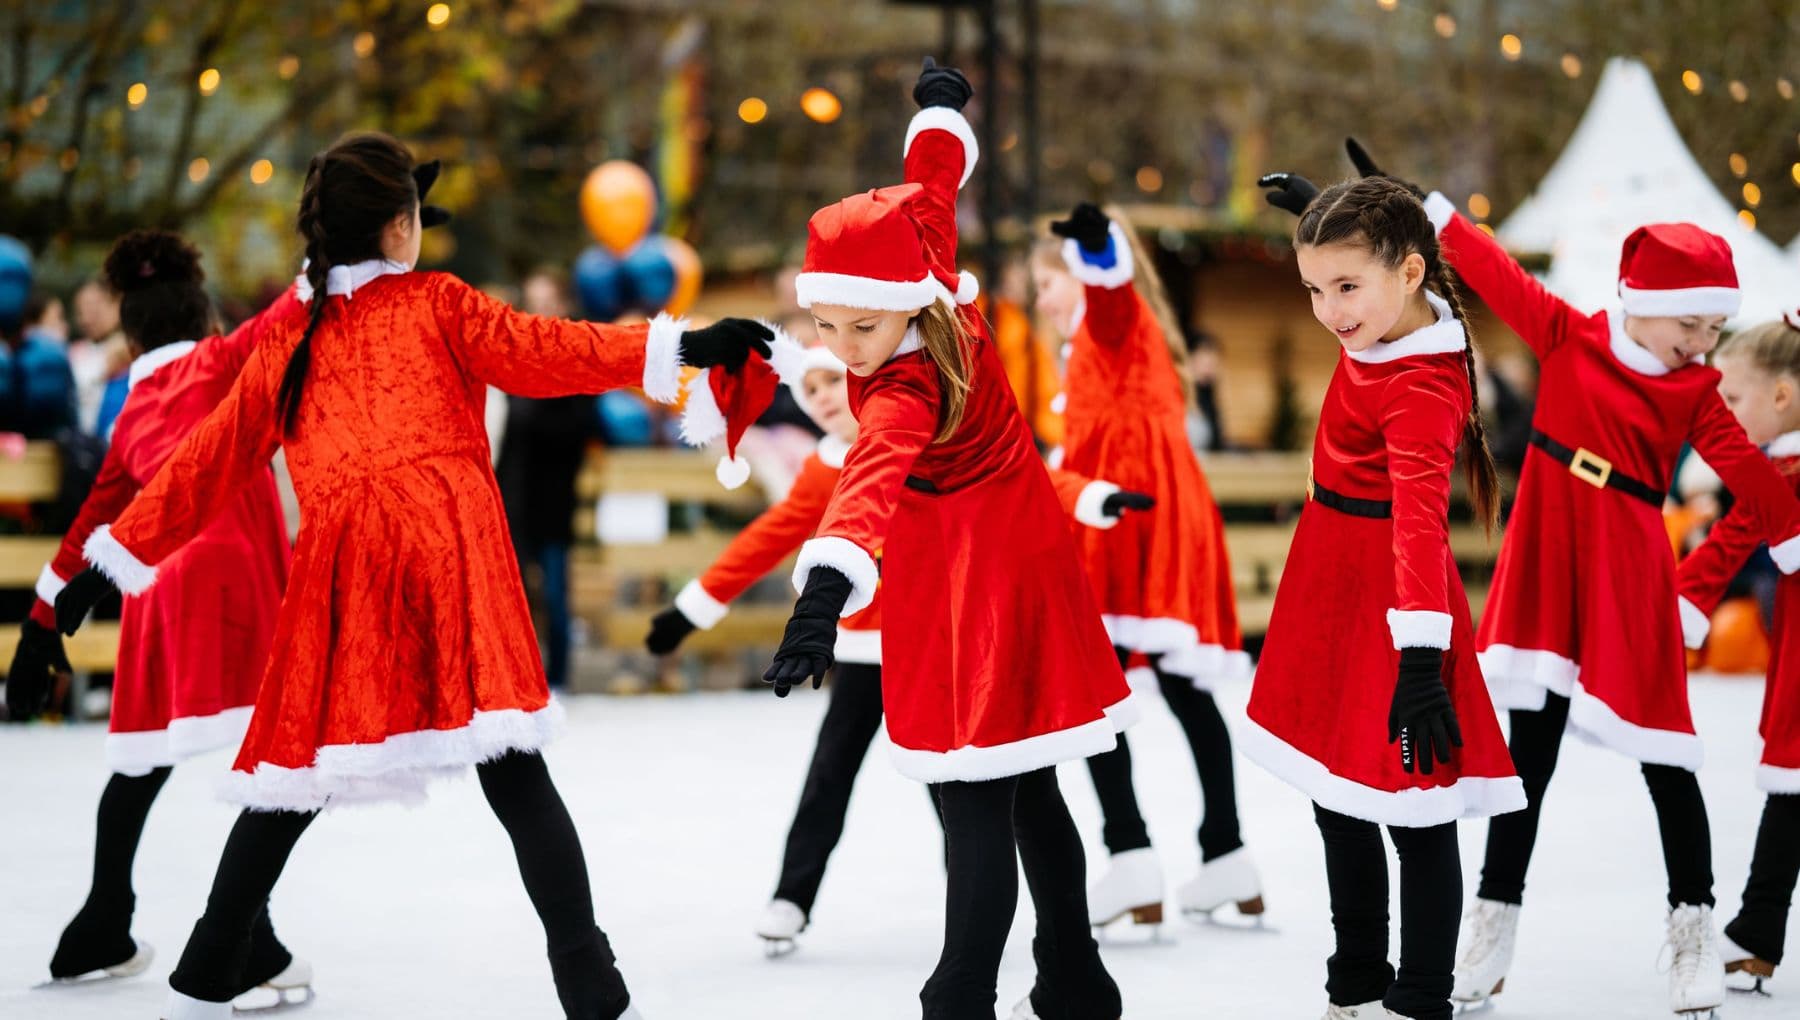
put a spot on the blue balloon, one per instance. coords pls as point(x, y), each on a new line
point(651, 274)
point(601, 281)
point(15, 282)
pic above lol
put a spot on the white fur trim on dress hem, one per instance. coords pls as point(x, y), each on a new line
point(662, 358)
point(396, 769)
point(1518, 677)
point(942, 118)
point(1112, 277)
point(1439, 210)
point(701, 420)
point(1595, 722)
point(700, 608)
point(1468, 797)
point(1182, 651)
point(972, 764)
point(862, 647)
point(136, 753)
point(127, 573)
point(49, 586)
point(1419, 628)
point(1694, 624)
point(847, 558)
point(1786, 554)
point(1089, 506)
point(1775, 779)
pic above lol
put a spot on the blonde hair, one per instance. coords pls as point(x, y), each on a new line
point(946, 340)
point(1773, 347)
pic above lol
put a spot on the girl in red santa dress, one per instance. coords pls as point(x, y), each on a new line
point(1163, 579)
point(403, 649)
point(1760, 381)
point(1368, 697)
point(192, 651)
point(1582, 629)
point(995, 663)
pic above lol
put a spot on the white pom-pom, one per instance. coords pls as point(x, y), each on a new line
point(732, 472)
point(967, 289)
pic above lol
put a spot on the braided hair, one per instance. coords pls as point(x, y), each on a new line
point(353, 191)
point(1384, 217)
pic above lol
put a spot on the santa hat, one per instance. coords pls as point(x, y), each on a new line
point(721, 403)
point(1669, 269)
point(869, 251)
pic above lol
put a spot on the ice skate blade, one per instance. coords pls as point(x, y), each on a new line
point(286, 999)
point(1249, 917)
point(776, 948)
point(137, 964)
point(1147, 913)
point(1473, 1007)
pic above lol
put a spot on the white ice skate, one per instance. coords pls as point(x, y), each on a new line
point(186, 1007)
point(1362, 1011)
point(1696, 974)
point(782, 922)
point(1133, 884)
point(1227, 880)
point(1493, 934)
point(290, 989)
point(137, 963)
point(1744, 970)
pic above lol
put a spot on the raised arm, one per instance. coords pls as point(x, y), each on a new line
point(1099, 255)
point(1760, 490)
point(1541, 319)
point(224, 357)
point(940, 154)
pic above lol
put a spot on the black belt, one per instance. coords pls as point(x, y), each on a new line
point(1376, 508)
point(1596, 470)
point(917, 484)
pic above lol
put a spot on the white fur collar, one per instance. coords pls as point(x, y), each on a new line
point(1635, 356)
point(1445, 336)
point(832, 450)
point(144, 365)
point(1785, 445)
point(345, 279)
point(908, 343)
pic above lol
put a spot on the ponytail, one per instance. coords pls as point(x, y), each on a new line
point(318, 267)
point(946, 342)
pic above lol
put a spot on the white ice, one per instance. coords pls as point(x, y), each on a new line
point(683, 803)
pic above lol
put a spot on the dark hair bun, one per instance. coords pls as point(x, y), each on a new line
point(146, 257)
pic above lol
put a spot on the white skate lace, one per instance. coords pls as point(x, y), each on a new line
point(1484, 933)
point(1687, 931)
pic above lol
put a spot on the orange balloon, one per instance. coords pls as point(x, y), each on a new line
point(1737, 643)
point(688, 274)
point(618, 201)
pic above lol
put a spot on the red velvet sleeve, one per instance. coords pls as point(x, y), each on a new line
point(1421, 424)
point(1706, 572)
point(940, 155)
point(1752, 478)
point(112, 493)
point(1541, 319)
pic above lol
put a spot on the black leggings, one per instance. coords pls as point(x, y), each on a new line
point(1675, 793)
point(1123, 828)
point(1430, 905)
point(984, 823)
point(851, 721)
point(1761, 924)
point(518, 788)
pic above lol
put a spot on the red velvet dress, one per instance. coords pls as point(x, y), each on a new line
point(994, 659)
point(1162, 578)
point(404, 649)
point(773, 537)
point(1702, 579)
point(1358, 588)
point(1583, 602)
point(192, 649)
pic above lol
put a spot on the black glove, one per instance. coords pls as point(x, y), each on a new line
point(807, 647)
point(1366, 167)
point(1115, 505)
point(726, 343)
point(941, 86)
point(424, 175)
point(79, 597)
point(1288, 191)
point(668, 629)
point(1421, 718)
point(1087, 225)
point(36, 662)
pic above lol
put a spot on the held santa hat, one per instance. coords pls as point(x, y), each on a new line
point(723, 403)
point(1674, 269)
point(869, 251)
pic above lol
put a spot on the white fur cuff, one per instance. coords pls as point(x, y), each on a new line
point(845, 557)
point(128, 573)
point(1787, 555)
point(1118, 274)
point(1419, 628)
point(662, 359)
point(701, 609)
point(1088, 505)
point(942, 118)
point(49, 586)
point(1694, 624)
point(1439, 210)
point(701, 420)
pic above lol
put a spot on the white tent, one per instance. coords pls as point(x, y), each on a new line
point(1625, 166)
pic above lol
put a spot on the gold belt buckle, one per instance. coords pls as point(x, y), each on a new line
point(1591, 468)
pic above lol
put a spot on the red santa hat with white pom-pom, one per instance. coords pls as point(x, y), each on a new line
point(721, 403)
point(869, 251)
point(1676, 269)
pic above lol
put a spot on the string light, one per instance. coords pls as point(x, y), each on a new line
point(198, 169)
point(1445, 25)
point(1747, 218)
point(1784, 88)
point(287, 66)
point(1150, 179)
point(1794, 172)
point(1511, 47)
point(1690, 80)
point(1479, 206)
point(1739, 165)
point(437, 16)
point(209, 81)
point(821, 105)
point(1388, 5)
point(136, 94)
point(1752, 194)
point(261, 171)
point(363, 44)
point(1739, 91)
point(1571, 65)
point(1484, 228)
point(752, 110)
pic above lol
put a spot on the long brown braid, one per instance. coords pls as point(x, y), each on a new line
point(1386, 219)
